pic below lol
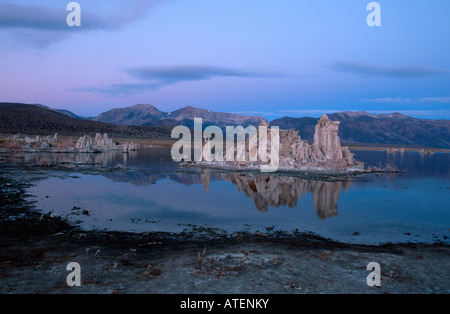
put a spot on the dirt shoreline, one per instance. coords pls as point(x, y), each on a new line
point(36, 248)
point(148, 263)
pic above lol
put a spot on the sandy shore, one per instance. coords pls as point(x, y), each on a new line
point(139, 263)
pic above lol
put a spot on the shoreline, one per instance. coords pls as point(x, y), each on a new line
point(168, 142)
point(118, 262)
point(36, 248)
point(309, 173)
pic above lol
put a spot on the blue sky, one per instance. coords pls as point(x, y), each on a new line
point(262, 57)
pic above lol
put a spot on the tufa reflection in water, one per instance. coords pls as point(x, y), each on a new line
point(265, 190)
point(275, 191)
point(102, 159)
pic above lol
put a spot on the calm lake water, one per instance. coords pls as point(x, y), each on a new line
point(151, 193)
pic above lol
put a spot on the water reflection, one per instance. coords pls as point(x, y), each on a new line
point(148, 165)
point(275, 191)
point(416, 165)
point(381, 208)
point(141, 177)
point(265, 190)
point(103, 159)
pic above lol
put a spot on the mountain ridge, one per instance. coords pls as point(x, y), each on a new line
point(149, 115)
point(386, 129)
point(356, 127)
point(38, 120)
point(63, 111)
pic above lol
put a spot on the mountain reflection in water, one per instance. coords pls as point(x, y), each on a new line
point(265, 190)
point(147, 185)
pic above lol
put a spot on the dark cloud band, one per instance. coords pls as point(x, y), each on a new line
point(386, 71)
point(41, 23)
point(192, 73)
point(39, 18)
point(152, 78)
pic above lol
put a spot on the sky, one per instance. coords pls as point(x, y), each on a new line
point(267, 58)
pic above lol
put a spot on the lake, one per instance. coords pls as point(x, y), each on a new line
point(145, 191)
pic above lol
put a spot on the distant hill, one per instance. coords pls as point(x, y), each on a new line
point(383, 129)
point(135, 115)
point(148, 115)
point(63, 111)
point(37, 120)
point(217, 118)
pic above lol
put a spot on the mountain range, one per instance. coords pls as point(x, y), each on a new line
point(148, 115)
point(356, 128)
point(365, 129)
